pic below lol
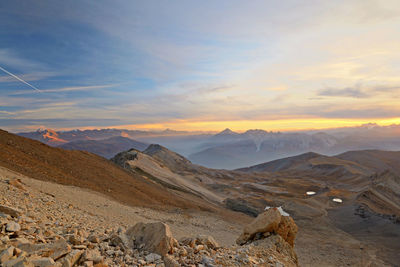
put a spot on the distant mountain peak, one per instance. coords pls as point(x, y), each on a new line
point(370, 125)
point(168, 130)
point(46, 130)
point(256, 131)
point(124, 134)
point(50, 135)
point(154, 148)
point(227, 131)
point(169, 158)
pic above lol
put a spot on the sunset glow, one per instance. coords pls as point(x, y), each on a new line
point(277, 125)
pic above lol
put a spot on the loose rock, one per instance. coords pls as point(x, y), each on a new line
point(156, 237)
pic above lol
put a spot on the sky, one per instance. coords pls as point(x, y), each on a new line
point(199, 65)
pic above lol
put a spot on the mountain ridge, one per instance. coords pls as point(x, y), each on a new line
point(106, 148)
point(37, 160)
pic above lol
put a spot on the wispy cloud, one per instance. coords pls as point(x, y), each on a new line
point(68, 89)
point(29, 77)
point(345, 92)
point(10, 58)
point(359, 91)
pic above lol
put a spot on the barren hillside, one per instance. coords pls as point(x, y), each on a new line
point(86, 170)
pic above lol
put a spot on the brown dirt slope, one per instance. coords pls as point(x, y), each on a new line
point(86, 170)
point(377, 160)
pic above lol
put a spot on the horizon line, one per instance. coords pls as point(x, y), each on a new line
point(138, 127)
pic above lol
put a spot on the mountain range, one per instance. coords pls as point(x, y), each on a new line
point(227, 149)
point(106, 148)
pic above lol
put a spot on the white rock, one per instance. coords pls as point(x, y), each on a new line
point(338, 200)
point(13, 227)
point(152, 257)
point(310, 193)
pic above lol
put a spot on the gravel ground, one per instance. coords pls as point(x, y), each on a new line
point(69, 204)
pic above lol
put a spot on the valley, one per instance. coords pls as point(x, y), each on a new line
point(362, 229)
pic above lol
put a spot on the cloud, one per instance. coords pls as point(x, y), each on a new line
point(12, 59)
point(386, 88)
point(353, 92)
point(18, 125)
point(183, 61)
point(68, 89)
point(359, 91)
point(29, 77)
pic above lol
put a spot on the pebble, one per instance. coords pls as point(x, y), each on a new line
point(13, 227)
point(152, 257)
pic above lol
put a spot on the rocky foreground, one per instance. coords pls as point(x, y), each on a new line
point(27, 238)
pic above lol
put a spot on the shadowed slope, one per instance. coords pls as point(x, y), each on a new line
point(281, 164)
point(106, 147)
point(377, 160)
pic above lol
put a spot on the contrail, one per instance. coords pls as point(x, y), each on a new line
point(19, 79)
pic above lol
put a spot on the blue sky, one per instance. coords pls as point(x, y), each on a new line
point(199, 65)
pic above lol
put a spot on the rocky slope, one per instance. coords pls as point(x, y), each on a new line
point(43, 229)
point(171, 170)
point(285, 183)
point(365, 182)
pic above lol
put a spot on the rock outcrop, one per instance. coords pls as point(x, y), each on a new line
point(273, 230)
point(267, 223)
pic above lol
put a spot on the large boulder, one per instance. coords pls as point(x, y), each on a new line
point(287, 229)
point(272, 221)
point(266, 222)
point(155, 237)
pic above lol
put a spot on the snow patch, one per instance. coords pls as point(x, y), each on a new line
point(281, 211)
point(310, 193)
point(338, 200)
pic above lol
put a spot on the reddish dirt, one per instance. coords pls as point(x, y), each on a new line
point(86, 170)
